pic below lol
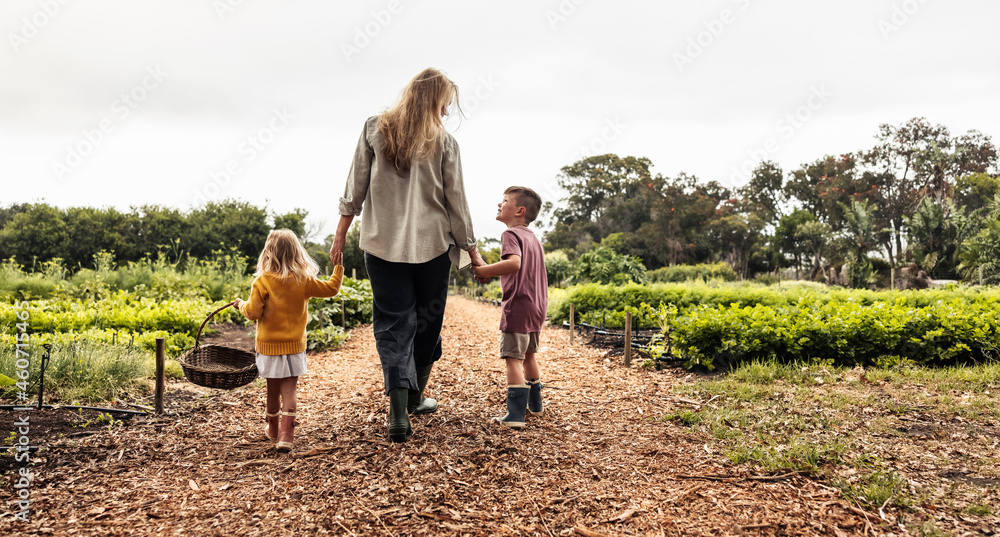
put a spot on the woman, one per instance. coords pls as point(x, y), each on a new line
point(407, 175)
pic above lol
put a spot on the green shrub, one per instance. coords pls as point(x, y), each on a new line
point(686, 273)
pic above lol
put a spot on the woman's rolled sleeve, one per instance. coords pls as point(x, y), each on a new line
point(359, 178)
point(456, 203)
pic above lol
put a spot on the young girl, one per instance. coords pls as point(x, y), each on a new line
point(278, 302)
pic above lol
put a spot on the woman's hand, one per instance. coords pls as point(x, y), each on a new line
point(476, 274)
point(337, 251)
point(238, 303)
point(340, 239)
point(477, 259)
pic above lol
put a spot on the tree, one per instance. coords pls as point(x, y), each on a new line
point(605, 191)
point(90, 230)
point(935, 233)
point(738, 236)
point(975, 191)
point(557, 267)
point(681, 210)
point(38, 233)
point(917, 159)
point(225, 224)
point(294, 221)
point(764, 193)
point(860, 238)
point(161, 229)
point(824, 186)
point(787, 236)
point(814, 237)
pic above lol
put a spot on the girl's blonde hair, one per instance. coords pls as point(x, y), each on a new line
point(412, 127)
point(285, 256)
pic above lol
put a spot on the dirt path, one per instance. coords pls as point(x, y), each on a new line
point(597, 463)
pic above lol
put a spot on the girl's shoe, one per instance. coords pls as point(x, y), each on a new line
point(535, 406)
point(286, 432)
point(517, 405)
point(272, 425)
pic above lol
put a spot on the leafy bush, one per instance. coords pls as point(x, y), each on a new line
point(847, 333)
point(686, 273)
point(356, 297)
point(593, 299)
point(603, 265)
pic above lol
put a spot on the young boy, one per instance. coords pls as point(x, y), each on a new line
point(525, 300)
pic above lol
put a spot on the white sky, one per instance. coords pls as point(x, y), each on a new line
point(543, 84)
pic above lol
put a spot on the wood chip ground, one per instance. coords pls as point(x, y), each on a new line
point(598, 462)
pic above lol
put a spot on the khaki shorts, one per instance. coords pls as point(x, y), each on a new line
point(514, 345)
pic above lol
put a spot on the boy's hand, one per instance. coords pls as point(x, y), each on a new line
point(479, 278)
point(238, 303)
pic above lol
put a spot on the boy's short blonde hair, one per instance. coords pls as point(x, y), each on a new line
point(527, 198)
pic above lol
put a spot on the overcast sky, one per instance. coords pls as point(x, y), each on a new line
point(124, 102)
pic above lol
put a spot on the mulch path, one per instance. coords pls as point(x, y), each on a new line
point(598, 462)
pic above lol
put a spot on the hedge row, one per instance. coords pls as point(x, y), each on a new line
point(846, 333)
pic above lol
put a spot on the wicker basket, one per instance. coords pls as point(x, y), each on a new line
point(217, 366)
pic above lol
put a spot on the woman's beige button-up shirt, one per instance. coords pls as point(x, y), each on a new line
point(408, 219)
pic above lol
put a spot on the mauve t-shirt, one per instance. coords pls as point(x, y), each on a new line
point(525, 292)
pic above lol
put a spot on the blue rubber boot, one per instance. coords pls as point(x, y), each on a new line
point(535, 406)
point(517, 405)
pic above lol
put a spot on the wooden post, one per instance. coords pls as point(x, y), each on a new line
point(160, 363)
point(980, 274)
point(628, 339)
point(354, 273)
point(892, 278)
point(571, 322)
point(343, 314)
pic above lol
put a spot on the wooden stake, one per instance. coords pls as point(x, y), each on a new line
point(354, 273)
point(343, 314)
point(892, 278)
point(628, 339)
point(571, 312)
point(160, 363)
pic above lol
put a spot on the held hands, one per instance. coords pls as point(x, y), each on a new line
point(476, 272)
point(477, 262)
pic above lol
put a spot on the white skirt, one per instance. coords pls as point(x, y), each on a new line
point(283, 366)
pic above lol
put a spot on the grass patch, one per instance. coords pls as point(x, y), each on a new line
point(82, 372)
point(825, 420)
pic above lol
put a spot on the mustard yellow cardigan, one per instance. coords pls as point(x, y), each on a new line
point(279, 305)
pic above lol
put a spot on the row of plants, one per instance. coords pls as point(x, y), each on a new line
point(595, 301)
point(884, 334)
point(724, 325)
point(126, 317)
point(221, 276)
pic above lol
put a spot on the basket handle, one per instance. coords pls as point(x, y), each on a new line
point(210, 315)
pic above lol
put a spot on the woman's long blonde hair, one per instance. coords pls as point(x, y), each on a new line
point(412, 127)
point(284, 256)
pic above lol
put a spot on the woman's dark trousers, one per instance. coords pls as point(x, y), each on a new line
point(409, 301)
